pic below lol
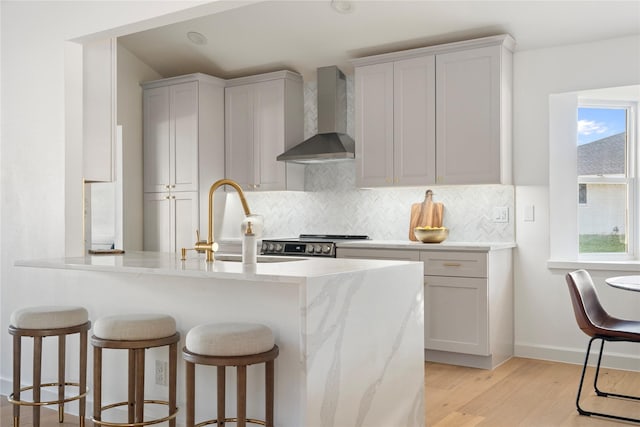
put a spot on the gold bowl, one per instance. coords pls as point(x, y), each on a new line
point(431, 235)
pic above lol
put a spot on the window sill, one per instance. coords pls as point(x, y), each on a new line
point(623, 266)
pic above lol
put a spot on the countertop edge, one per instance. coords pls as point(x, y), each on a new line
point(419, 246)
point(165, 264)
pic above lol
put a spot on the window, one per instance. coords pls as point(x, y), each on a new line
point(598, 199)
point(582, 194)
point(605, 178)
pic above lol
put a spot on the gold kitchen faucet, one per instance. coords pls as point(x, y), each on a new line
point(210, 246)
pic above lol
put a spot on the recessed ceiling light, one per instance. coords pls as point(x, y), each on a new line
point(342, 6)
point(196, 37)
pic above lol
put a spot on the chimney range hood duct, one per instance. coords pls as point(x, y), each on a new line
point(331, 143)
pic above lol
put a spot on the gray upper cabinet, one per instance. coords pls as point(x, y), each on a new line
point(395, 130)
point(171, 137)
point(435, 115)
point(263, 118)
point(473, 116)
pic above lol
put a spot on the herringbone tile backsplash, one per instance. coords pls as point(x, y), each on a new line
point(332, 204)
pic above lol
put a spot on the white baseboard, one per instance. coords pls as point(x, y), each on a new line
point(610, 359)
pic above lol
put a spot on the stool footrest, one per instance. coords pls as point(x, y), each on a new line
point(11, 399)
point(231, 420)
point(138, 424)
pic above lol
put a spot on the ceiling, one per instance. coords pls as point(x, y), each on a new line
point(304, 35)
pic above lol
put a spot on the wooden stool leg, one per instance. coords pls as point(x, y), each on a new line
point(242, 396)
point(269, 392)
point(37, 376)
point(82, 405)
point(17, 354)
point(97, 383)
point(62, 342)
point(190, 385)
point(132, 386)
point(221, 395)
point(173, 381)
point(139, 385)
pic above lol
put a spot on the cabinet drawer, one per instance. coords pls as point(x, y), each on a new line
point(455, 264)
point(377, 254)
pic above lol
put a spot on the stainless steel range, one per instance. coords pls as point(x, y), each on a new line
point(323, 245)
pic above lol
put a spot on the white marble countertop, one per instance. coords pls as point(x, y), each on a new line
point(419, 246)
point(227, 266)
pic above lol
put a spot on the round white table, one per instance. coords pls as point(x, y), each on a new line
point(628, 283)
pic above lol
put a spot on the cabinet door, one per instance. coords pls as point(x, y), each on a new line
point(468, 120)
point(157, 222)
point(414, 130)
point(374, 125)
point(170, 220)
point(156, 146)
point(456, 315)
point(185, 219)
point(238, 140)
point(268, 133)
point(184, 137)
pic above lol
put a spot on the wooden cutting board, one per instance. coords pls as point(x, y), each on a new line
point(425, 214)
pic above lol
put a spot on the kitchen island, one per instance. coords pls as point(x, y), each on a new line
point(350, 331)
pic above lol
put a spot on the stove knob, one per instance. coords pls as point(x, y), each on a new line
point(326, 249)
point(271, 247)
point(310, 249)
point(278, 247)
point(318, 249)
point(264, 247)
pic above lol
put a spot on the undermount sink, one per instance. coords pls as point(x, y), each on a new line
point(261, 258)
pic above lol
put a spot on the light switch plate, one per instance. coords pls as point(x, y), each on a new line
point(529, 213)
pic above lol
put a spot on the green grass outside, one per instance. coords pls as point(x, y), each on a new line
point(595, 243)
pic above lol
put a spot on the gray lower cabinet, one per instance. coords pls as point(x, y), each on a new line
point(468, 303)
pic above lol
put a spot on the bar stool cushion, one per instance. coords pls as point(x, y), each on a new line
point(49, 317)
point(132, 327)
point(229, 339)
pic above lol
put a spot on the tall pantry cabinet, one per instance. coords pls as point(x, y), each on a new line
point(183, 155)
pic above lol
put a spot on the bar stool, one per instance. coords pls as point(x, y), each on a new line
point(230, 344)
point(135, 333)
point(40, 322)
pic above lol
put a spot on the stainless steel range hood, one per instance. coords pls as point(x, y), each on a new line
point(331, 143)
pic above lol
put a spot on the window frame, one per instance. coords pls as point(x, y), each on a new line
point(629, 178)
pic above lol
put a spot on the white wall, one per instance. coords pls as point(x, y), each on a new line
point(545, 326)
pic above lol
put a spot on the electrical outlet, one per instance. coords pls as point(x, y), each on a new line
point(501, 214)
point(161, 372)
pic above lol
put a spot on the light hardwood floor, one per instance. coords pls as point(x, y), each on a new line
point(521, 392)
